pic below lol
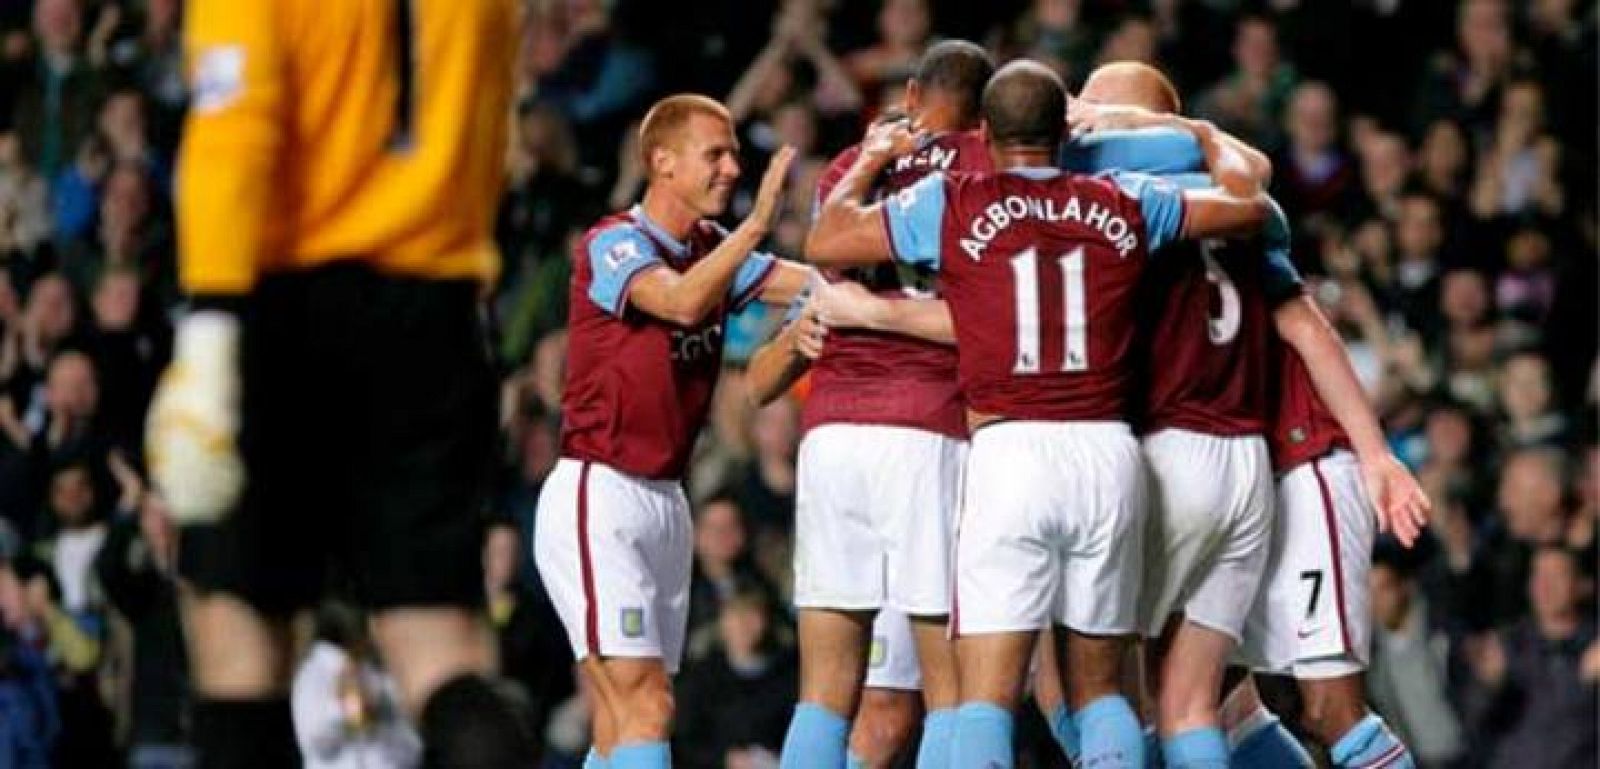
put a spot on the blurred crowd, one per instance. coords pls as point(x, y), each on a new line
point(1436, 159)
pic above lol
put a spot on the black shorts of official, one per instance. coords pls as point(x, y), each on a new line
point(368, 433)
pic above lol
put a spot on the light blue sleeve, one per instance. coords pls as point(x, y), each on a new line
point(1160, 201)
point(1148, 150)
point(751, 276)
point(915, 217)
point(1282, 281)
point(616, 256)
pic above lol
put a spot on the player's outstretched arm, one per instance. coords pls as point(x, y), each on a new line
point(848, 305)
point(776, 365)
point(847, 232)
point(1401, 505)
point(687, 297)
point(1085, 117)
point(788, 282)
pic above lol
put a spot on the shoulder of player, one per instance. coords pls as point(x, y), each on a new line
point(619, 238)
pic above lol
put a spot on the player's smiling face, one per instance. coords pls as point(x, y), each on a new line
point(706, 165)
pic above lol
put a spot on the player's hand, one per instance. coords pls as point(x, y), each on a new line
point(809, 333)
point(890, 139)
point(1085, 117)
point(771, 191)
point(193, 434)
point(847, 305)
point(1401, 505)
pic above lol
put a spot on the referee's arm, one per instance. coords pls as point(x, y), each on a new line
point(231, 142)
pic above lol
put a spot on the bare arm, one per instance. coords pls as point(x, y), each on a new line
point(1402, 506)
point(688, 297)
point(1086, 117)
point(848, 305)
point(847, 232)
point(776, 365)
point(789, 280)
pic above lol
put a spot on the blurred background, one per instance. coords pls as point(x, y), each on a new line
point(1437, 159)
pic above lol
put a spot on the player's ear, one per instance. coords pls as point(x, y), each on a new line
point(663, 162)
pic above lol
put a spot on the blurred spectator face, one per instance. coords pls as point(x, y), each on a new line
point(1385, 164)
point(126, 202)
point(1133, 40)
point(71, 497)
point(1528, 250)
point(57, 23)
point(70, 387)
point(776, 429)
point(742, 624)
point(547, 139)
point(796, 126)
point(719, 535)
point(1484, 33)
point(10, 150)
point(1056, 15)
point(1525, 387)
point(500, 551)
point(1444, 151)
point(1553, 584)
point(1313, 118)
point(1418, 233)
point(161, 14)
point(1530, 494)
point(700, 165)
point(1372, 240)
point(1449, 433)
point(550, 367)
point(1255, 47)
point(50, 310)
point(1391, 596)
point(540, 450)
point(1522, 112)
point(904, 23)
point(13, 606)
point(1464, 298)
point(116, 301)
point(123, 115)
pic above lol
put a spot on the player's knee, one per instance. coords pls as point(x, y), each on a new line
point(1330, 711)
point(473, 721)
point(883, 726)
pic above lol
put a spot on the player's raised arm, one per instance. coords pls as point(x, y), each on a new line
point(848, 305)
point(847, 232)
point(688, 297)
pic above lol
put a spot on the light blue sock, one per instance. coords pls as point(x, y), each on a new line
point(938, 729)
point(1262, 742)
point(642, 755)
point(1203, 748)
point(595, 761)
point(853, 761)
point(983, 737)
point(1066, 733)
point(817, 738)
point(1370, 745)
point(1111, 735)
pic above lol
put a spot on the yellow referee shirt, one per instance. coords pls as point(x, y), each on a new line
point(322, 130)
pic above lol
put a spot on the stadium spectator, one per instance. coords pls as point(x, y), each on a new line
point(734, 703)
point(1409, 677)
point(766, 488)
point(904, 28)
point(346, 708)
point(530, 635)
point(25, 222)
point(55, 103)
point(1314, 176)
point(30, 721)
point(723, 561)
point(1249, 102)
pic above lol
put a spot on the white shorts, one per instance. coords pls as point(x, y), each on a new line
point(892, 660)
point(1208, 530)
point(614, 552)
point(874, 508)
point(1050, 532)
point(1313, 616)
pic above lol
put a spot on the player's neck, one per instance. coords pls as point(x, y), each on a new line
point(669, 212)
point(939, 118)
point(1012, 156)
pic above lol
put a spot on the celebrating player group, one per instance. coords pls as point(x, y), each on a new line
point(1074, 424)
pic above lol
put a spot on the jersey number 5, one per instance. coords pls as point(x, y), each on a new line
point(1075, 321)
point(1221, 329)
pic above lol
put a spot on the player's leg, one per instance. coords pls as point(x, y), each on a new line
point(1008, 571)
point(1104, 559)
point(1257, 739)
point(1050, 695)
point(1336, 713)
point(914, 501)
point(241, 662)
point(839, 577)
point(891, 698)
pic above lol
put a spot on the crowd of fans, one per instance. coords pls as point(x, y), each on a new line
point(1436, 160)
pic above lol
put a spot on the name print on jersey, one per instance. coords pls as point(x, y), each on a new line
point(1001, 214)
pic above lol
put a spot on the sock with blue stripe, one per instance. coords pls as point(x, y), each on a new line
point(1203, 748)
point(983, 736)
point(1112, 738)
point(642, 755)
point(1370, 745)
point(1066, 733)
point(938, 730)
point(1261, 741)
point(595, 761)
point(817, 737)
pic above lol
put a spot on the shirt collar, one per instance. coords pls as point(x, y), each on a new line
point(1034, 172)
point(677, 247)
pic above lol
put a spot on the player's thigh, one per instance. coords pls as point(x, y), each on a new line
point(1189, 491)
point(915, 489)
point(424, 411)
point(839, 557)
point(1221, 596)
point(892, 661)
point(1007, 565)
point(600, 541)
point(292, 509)
point(1103, 530)
point(1311, 614)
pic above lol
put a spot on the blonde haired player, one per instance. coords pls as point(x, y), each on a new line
point(330, 413)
